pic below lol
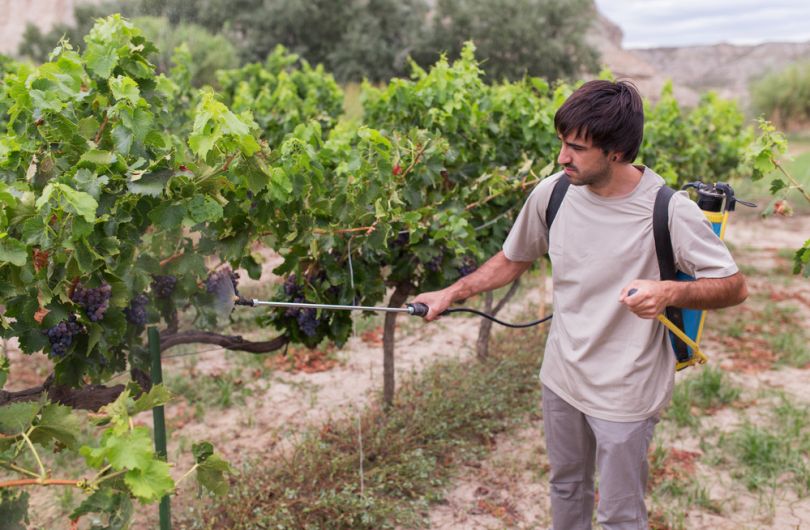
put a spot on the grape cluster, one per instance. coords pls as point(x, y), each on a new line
point(213, 284)
point(61, 335)
point(307, 321)
point(435, 263)
point(468, 266)
point(305, 317)
point(136, 312)
point(163, 285)
point(402, 239)
point(95, 301)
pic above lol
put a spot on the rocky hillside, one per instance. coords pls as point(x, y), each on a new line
point(625, 64)
point(724, 68)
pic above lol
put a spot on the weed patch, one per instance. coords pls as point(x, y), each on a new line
point(766, 457)
point(382, 469)
point(703, 393)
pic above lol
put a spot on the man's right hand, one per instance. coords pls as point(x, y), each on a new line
point(437, 302)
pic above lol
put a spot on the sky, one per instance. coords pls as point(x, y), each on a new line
point(652, 23)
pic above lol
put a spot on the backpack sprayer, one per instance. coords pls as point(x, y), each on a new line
point(686, 325)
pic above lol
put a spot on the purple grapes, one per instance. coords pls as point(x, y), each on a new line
point(61, 335)
point(402, 239)
point(163, 285)
point(468, 266)
point(307, 321)
point(291, 287)
point(214, 282)
point(435, 263)
point(136, 312)
point(95, 301)
point(305, 317)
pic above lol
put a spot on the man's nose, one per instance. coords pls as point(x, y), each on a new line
point(563, 158)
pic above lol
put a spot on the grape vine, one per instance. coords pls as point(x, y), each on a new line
point(120, 187)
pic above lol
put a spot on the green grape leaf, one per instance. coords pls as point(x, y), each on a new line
point(139, 121)
point(128, 450)
point(32, 339)
point(57, 422)
point(90, 183)
point(101, 59)
point(280, 184)
point(123, 139)
point(776, 185)
point(124, 87)
point(13, 251)
point(253, 267)
point(211, 474)
point(88, 127)
point(150, 482)
point(35, 233)
point(158, 395)
point(202, 209)
point(167, 215)
point(13, 509)
point(79, 202)
point(202, 451)
point(115, 504)
point(151, 184)
point(17, 417)
point(99, 157)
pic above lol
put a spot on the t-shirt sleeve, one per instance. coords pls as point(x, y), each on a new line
point(528, 238)
point(698, 250)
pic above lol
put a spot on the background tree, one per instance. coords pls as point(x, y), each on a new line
point(514, 38)
point(369, 38)
point(207, 52)
point(784, 96)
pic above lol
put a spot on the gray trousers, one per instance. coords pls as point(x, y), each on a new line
point(577, 444)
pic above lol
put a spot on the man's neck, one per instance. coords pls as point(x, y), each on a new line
point(622, 181)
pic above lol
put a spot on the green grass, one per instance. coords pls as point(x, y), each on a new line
point(448, 414)
point(210, 391)
point(709, 389)
point(767, 457)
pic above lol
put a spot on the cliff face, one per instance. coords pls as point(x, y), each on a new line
point(648, 77)
point(16, 14)
point(725, 68)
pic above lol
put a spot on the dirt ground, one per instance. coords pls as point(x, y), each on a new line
point(509, 489)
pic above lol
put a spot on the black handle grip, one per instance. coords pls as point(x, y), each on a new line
point(417, 309)
point(632, 291)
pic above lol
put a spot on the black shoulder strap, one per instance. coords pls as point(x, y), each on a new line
point(557, 196)
point(666, 261)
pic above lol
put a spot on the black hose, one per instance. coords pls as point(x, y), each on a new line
point(497, 321)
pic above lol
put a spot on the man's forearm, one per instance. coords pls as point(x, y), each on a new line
point(495, 272)
point(708, 293)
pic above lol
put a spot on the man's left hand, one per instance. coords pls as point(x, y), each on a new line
point(649, 299)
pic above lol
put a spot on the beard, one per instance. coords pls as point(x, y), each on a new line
point(595, 177)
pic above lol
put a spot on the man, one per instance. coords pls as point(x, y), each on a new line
point(608, 365)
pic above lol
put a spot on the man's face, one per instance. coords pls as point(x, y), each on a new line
point(585, 164)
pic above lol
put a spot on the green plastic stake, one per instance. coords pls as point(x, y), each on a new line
point(159, 421)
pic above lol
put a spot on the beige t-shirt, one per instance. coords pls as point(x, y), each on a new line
point(600, 357)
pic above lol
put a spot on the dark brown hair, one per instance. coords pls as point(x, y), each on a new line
point(609, 114)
